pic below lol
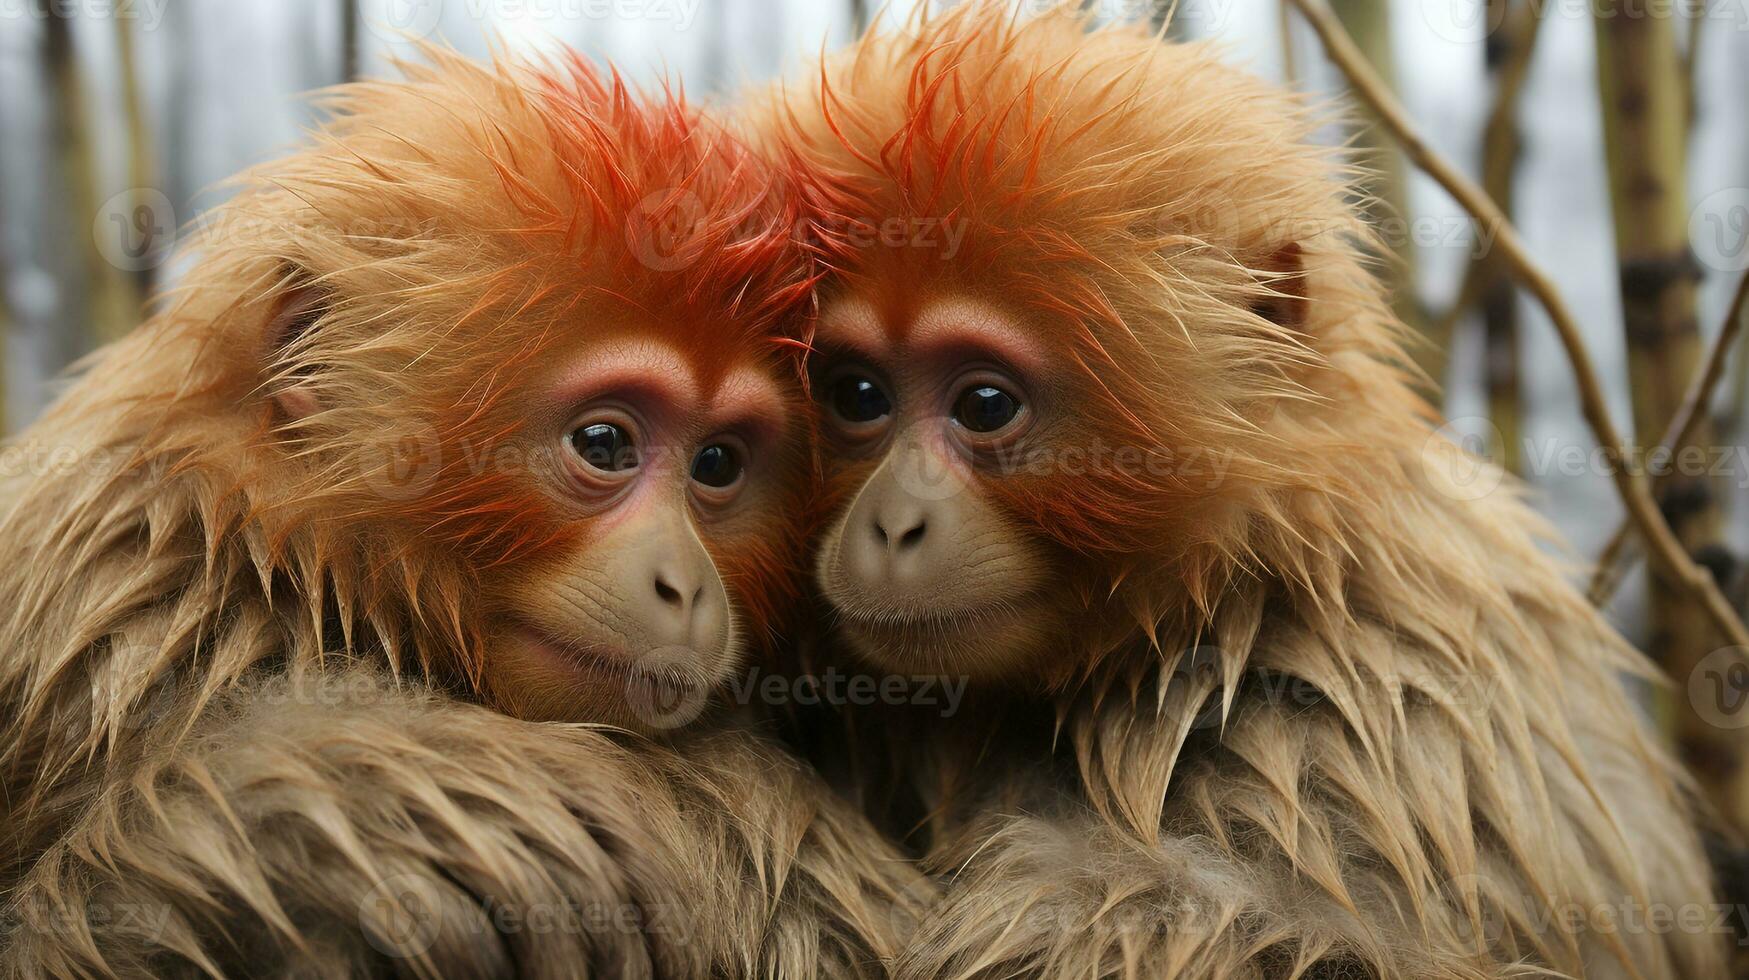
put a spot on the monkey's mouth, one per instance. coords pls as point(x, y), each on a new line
point(939, 638)
point(929, 616)
point(650, 680)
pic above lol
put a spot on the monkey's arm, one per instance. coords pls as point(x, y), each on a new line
point(1283, 850)
point(1067, 894)
point(401, 833)
point(1261, 866)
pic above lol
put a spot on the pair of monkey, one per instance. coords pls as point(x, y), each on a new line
point(518, 399)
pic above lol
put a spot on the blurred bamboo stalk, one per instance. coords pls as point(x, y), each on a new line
point(1617, 554)
point(6, 322)
point(1507, 52)
point(1645, 122)
point(1369, 23)
point(859, 16)
point(1733, 415)
point(349, 63)
point(141, 173)
point(109, 314)
point(1695, 15)
point(1625, 472)
point(1290, 70)
point(1737, 406)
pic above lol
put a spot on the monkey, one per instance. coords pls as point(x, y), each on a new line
point(364, 610)
point(1268, 677)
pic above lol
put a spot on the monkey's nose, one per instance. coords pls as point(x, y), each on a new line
point(684, 612)
point(900, 539)
point(903, 533)
point(895, 542)
point(682, 597)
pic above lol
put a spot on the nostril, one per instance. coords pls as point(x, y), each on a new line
point(668, 593)
point(913, 537)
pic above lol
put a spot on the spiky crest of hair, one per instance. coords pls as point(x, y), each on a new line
point(455, 234)
point(1471, 758)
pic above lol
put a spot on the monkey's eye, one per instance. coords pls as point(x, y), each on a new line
point(858, 399)
point(605, 446)
point(985, 408)
point(717, 466)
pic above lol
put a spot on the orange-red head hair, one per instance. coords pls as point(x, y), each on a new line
point(443, 242)
point(1156, 218)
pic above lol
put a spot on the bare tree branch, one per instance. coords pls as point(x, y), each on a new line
point(1630, 482)
point(1611, 565)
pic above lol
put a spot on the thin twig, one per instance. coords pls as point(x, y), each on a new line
point(1629, 481)
point(1608, 576)
point(1523, 26)
point(1612, 566)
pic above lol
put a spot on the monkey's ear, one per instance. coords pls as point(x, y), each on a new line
point(1283, 273)
point(295, 311)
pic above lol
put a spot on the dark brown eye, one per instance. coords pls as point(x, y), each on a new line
point(717, 466)
point(985, 408)
point(859, 399)
point(605, 446)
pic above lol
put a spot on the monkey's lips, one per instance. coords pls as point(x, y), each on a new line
point(644, 680)
point(942, 626)
point(951, 639)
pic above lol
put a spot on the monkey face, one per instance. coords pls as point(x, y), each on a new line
point(528, 360)
point(620, 510)
point(665, 467)
point(926, 414)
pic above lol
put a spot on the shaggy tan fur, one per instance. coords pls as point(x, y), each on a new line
point(183, 570)
point(341, 825)
point(1405, 749)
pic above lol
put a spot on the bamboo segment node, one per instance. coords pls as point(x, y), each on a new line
point(1618, 553)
